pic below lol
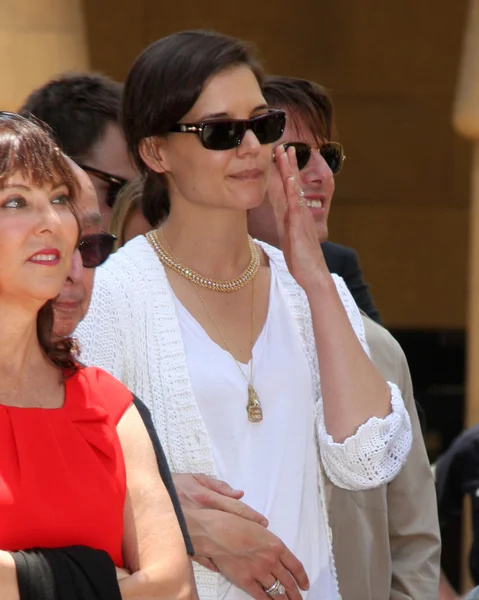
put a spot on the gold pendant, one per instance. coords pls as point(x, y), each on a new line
point(255, 412)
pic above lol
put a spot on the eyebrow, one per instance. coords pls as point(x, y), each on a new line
point(27, 188)
point(18, 186)
point(222, 115)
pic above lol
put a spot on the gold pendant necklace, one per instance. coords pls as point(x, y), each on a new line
point(253, 407)
point(169, 259)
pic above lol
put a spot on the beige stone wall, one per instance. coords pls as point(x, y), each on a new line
point(402, 199)
point(38, 39)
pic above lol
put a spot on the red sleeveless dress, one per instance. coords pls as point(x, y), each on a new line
point(62, 473)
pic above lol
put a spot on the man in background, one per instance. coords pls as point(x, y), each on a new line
point(82, 111)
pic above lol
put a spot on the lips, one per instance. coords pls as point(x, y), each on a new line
point(315, 201)
point(248, 174)
point(46, 256)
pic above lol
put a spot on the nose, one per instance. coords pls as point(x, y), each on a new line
point(317, 170)
point(249, 144)
point(49, 219)
point(75, 274)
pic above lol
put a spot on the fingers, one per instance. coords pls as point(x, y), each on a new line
point(295, 567)
point(246, 512)
point(291, 587)
point(238, 508)
point(219, 486)
point(224, 498)
point(206, 562)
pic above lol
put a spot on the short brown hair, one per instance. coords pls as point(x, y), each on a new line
point(307, 99)
point(26, 147)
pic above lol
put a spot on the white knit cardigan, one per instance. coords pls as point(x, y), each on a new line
point(132, 331)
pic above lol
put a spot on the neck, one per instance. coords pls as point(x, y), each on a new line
point(213, 242)
point(19, 346)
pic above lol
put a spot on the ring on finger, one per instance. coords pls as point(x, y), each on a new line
point(277, 589)
point(302, 201)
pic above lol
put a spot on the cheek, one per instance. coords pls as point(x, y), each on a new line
point(14, 243)
point(331, 187)
point(88, 278)
point(275, 184)
point(200, 172)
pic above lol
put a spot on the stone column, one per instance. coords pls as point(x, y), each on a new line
point(38, 39)
point(466, 123)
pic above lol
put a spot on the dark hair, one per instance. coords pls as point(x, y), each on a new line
point(302, 98)
point(26, 147)
point(77, 107)
point(163, 85)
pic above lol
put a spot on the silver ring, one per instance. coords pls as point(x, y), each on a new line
point(301, 201)
point(277, 589)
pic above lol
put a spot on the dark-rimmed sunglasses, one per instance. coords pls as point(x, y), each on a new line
point(115, 183)
point(332, 152)
point(96, 248)
point(225, 134)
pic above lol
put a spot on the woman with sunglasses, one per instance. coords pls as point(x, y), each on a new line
point(78, 476)
point(227, 340)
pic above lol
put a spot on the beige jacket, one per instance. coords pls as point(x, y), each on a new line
point(386, 541)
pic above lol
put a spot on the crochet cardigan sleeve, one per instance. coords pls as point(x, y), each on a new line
point(375, 454)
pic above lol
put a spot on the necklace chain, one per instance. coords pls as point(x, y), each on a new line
point(253, 408)
point(169, 259)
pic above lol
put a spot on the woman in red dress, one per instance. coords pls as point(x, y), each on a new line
point(76, 464)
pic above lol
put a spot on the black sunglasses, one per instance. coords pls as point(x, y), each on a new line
point(332, 152)
point(115, 183)
point(96, 248)
point(225, 134)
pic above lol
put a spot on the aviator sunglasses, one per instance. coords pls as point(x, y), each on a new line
point(96, 248)
point(332, 152)
point(225, 134)
point(114, 183)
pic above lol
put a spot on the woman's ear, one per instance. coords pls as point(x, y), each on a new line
point(152, 153)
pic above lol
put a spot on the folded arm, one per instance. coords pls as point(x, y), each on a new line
point(153, 546)
point(8, 577)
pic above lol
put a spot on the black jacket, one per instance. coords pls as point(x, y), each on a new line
point(345, 262)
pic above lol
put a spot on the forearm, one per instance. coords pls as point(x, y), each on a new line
point(352, 389)
point(8, 577)
point(158, 583)
point(197, 520)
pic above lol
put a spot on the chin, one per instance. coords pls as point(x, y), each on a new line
point(322, 231)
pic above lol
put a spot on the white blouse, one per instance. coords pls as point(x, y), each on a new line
point(132, 330)
point(275, 461)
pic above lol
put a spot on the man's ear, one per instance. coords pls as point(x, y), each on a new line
point(152, 153)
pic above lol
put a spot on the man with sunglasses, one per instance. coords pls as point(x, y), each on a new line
point(317, 175)
point(83, 110)
point(94, 248)
point(386, 541)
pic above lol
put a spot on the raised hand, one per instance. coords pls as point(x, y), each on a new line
point(302, 250)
